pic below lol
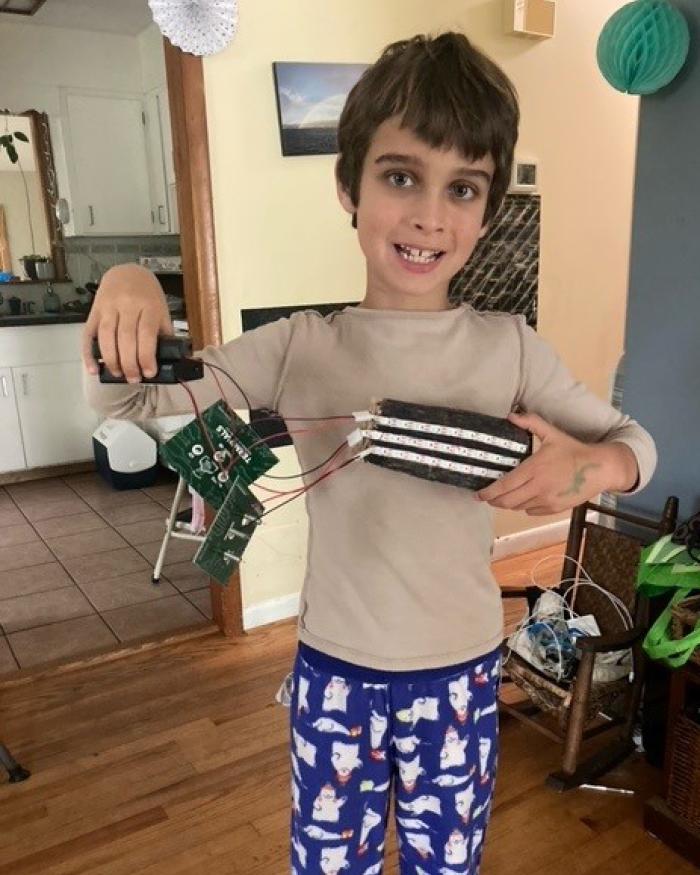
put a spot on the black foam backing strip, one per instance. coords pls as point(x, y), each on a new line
point(447, 416)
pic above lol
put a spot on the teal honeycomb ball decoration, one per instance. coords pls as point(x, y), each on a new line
point(643, 46)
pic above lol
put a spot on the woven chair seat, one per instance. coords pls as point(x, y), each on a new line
point(555, 698)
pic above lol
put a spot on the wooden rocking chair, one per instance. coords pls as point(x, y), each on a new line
point(583, 707)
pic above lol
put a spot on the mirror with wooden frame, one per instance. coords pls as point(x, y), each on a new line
point(31, 235)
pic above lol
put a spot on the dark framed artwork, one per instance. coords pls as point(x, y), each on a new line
point(503, 272)
point(310, 98)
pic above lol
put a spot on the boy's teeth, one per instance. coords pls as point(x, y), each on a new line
point(418, 256)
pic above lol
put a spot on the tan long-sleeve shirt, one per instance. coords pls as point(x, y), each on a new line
point(398, 571)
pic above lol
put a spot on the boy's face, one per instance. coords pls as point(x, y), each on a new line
point(419, 217)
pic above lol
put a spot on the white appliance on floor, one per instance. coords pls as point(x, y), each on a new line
point(125, 455)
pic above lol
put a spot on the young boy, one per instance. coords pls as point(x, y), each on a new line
point(400, 620)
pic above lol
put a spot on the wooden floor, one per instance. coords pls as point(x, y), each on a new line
point(173, 761)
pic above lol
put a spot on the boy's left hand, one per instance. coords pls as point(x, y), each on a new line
point(561, 473)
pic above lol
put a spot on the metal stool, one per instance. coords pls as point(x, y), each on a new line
point(173, 529)
point(14, 770)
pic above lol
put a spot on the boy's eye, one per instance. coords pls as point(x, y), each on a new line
point(463, 191)
point(399, 179)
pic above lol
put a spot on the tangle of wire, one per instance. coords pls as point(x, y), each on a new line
point(272, 414)
point(285, 433)
point(566, 607)
point(293, 493)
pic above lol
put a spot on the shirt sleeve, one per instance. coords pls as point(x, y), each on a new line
point(549, 389)
point(255, 360)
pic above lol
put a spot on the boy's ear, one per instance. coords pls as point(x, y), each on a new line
point(485, 228)
point(344, 194)
point(344, 198)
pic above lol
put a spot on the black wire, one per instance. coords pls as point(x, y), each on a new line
point(201, 421)
point(226, 374)
point(308, 488)
point(270, 437)
point(310, 470)
point(273, 414)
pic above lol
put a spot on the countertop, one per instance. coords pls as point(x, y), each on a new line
point(42, 319)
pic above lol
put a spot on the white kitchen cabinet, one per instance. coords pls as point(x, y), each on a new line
point(44, 383)
point(57, 424)
point(107, 158)
point(156, 120)
point(11, 447)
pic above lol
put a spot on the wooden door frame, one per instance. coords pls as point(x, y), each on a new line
point(188, 118)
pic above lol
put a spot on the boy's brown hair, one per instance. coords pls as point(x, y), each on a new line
point(444, 90)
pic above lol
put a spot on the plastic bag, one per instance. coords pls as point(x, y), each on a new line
point(547, 640)
point(667, 566)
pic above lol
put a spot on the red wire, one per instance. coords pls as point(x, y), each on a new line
point(301, 488)
point(296, 493)
point(270, 437)
point(213, 373)
point(326, 420)
point(200, 419)
point(307, 488)
point(274, 415)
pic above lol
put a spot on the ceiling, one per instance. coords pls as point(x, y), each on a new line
point(111, 16)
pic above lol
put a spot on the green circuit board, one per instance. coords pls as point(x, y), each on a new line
point(229, 534)
point(189, 453)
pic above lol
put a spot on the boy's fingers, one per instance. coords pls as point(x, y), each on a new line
point(147, 339)
point(515, 498)
point(540, 510)
point(522, 499)
point(126, 344)
point(86, 338)
point(107, 339)
point(534, 424)
point(166, 326)
point(510, 481)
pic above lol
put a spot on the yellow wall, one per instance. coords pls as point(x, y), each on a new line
point(283, 239)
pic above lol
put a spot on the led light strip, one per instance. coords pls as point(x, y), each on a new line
point(388, 437)
point(431, 461)
point(465, 434)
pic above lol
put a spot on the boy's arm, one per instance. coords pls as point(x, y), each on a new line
point(585, 446)
point(127, 317)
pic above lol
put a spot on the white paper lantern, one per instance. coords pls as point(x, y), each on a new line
point(200, 27)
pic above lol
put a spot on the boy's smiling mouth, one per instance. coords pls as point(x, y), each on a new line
point(416, 259)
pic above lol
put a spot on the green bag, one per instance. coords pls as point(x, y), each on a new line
point(667, 567)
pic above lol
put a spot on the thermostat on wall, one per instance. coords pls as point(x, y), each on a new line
point(524, 177)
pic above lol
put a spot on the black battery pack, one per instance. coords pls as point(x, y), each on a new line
point(173, 357)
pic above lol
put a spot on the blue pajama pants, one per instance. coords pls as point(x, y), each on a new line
point(357, 735)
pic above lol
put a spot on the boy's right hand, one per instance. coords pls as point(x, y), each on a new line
point(128, 315)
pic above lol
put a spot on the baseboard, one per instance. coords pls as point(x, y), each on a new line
point(271, 611)
point(530, 539)
point(42, 473)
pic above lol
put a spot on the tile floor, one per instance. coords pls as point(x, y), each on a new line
point(75, 569)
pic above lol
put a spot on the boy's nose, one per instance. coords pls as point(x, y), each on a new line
point(429, 226)
point(428, 218)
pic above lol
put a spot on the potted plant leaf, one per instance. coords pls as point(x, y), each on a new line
point(7, 143)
